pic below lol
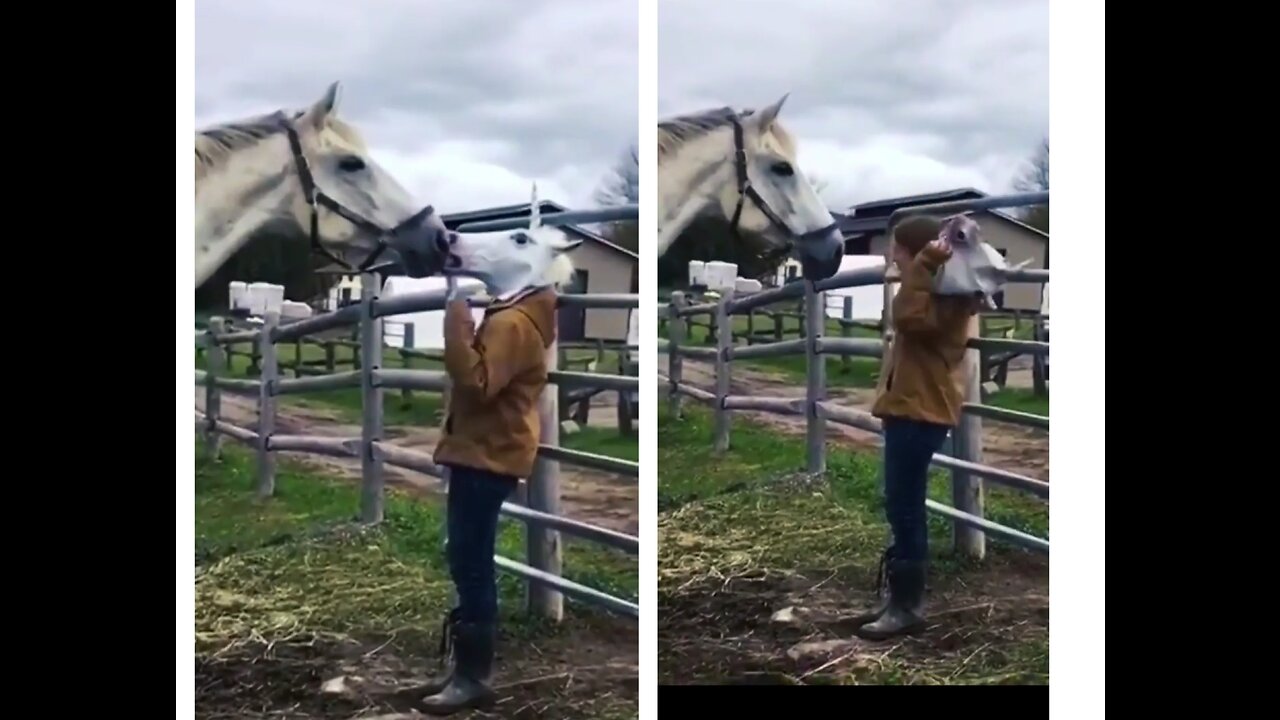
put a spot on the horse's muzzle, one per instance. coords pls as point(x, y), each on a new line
point(418, 242)
point(820, 256)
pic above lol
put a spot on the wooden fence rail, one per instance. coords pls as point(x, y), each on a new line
point(542, 570)
point(968, 473)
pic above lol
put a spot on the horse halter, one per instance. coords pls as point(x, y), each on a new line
point(315, 197)
point(747, 190)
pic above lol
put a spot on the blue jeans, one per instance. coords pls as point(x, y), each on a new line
point(909, 445)
point(475, 497)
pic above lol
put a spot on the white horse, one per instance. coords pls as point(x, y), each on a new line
point(512, 261)
point(743, 166)
point(306, 175)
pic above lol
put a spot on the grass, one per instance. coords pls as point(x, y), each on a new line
point(749, 520)
point(293, 571)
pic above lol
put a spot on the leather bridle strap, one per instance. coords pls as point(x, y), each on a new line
point(747, 190)
point(315, 197)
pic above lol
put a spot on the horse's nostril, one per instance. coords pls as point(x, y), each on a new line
point(453, 238)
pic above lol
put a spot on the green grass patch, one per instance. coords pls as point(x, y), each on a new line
point(1021, 399)
point(232, 525)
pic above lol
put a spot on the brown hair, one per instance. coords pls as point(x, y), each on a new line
point(917, 231)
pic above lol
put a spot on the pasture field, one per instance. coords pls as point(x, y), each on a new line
point(761, 565)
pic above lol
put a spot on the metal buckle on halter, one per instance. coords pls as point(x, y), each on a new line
point(314, 196)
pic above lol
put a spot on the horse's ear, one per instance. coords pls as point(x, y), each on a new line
point(766, 117)
point(325, 107)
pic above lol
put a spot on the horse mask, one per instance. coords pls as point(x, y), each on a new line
point(975, 268)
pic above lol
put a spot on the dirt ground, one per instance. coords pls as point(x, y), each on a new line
point(585, 671)
point(599, 498)
point(1005, 446)
point(988, 623)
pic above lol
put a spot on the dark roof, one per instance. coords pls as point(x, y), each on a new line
point(873, 217)
point(545, 207)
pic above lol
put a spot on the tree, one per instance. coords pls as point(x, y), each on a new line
point(1035, 178)
point(622, 187)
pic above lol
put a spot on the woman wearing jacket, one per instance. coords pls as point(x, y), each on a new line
point(918, 400)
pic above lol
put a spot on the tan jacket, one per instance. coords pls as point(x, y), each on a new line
point(498, 374)
point(924, 375)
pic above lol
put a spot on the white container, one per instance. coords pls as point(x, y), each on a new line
point(743, 286)
point(257, 296)
point(237, 295)
point(697, 272)
point(295, 310)
point(721, 275)
point(272, 298)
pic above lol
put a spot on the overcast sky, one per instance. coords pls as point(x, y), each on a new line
point(463, 102)
point(887, 98)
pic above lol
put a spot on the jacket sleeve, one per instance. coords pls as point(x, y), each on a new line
point(487, 364)
point(916, 310)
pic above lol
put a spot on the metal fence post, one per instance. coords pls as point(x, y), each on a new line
point(724, 342)
point(267, 405)
point(215, 362)
point(370, 354)
point(543, 494)
point(967, 489)
point(815, 320)
point(676, 332)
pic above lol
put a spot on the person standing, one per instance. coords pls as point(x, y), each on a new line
point(918, 399)
point(490, 441)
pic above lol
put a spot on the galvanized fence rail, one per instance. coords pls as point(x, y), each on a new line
point(541, 511)
point(968, 472)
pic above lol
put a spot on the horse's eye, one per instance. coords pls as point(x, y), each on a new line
point(783, 168)
point(521, 238)
point(351, 163)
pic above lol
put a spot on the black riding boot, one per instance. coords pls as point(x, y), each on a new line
point(468, 687)
point(438, 682)
point(904, 612)
point(882, 593)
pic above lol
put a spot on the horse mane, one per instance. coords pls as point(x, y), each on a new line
point(215, 144)
point(675, 132)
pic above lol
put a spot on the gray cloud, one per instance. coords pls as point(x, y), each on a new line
point(465, 102)
point(887, 98)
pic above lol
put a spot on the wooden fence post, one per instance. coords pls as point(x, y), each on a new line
point(215, 362)
point(1039, 369)
point(676, 334)
point(967, 489)
point(815, 319)
point(267, 405)
point(409, 339)
point(724, 341)
point(624, 396)
point(543, 494)
point(370, 354)
point(846, 330)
